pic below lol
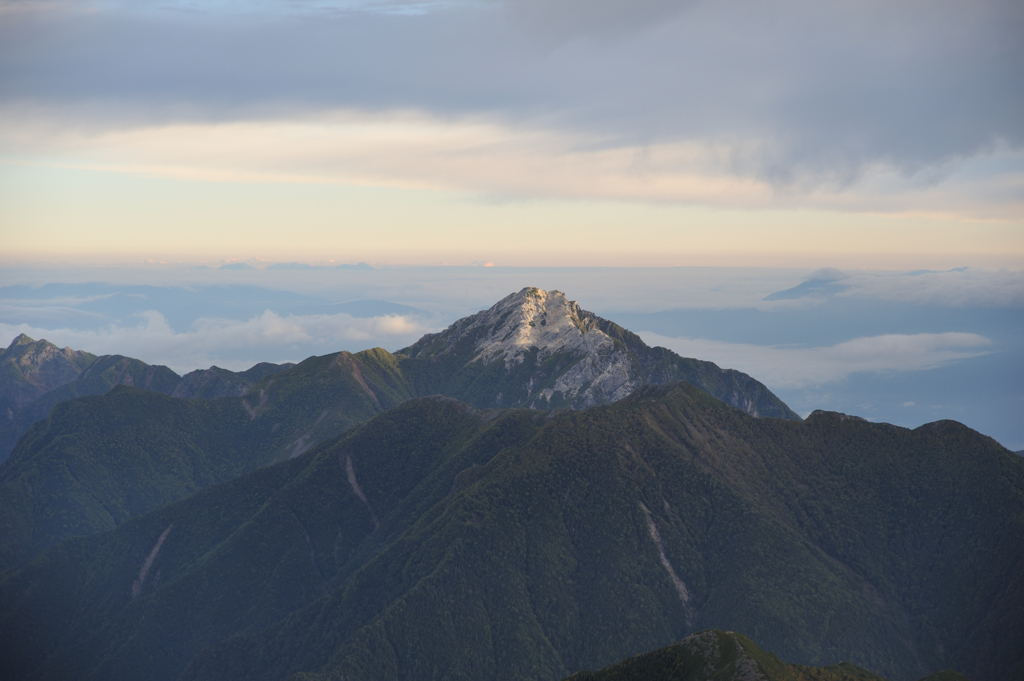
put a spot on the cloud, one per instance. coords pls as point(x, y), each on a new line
point(403, 149)
point(964, 288)
point(558, 21)
point(786, 367)
point(414, 150)
point(231, 344)
point(673, 100)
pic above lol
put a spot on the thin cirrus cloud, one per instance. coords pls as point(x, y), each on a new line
point(850, 106)
point(786, 367)
point(231, 344)
point(402, 149)
point(415, 151)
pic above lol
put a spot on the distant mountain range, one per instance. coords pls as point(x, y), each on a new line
point(529, 493)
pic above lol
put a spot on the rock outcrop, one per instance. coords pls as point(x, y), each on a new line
point(538, 349)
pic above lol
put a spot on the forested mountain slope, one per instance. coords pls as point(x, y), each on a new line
point(727, 656)
point(37, 375)
point(437, 542)
point(96, 461)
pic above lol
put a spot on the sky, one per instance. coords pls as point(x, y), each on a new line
point(785, 133)
point(828, 196)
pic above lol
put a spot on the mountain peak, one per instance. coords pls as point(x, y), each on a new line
point(22, 339)
point(33, 367)
point(32, 350)
point(537, 348)
point(534, 318)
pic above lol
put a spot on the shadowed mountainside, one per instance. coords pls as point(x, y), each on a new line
point(96, 461)
point(37, 375)
point(435, 541)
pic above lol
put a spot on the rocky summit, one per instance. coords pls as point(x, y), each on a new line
point(545, 324)
point(539, 349)
point(29, 368)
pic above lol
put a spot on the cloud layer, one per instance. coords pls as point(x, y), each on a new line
point(853, 105)
point(786, 367)
point(962, 287)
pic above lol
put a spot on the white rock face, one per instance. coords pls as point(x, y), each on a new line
point(544, 319)
point(551, 323)
point(561, 355)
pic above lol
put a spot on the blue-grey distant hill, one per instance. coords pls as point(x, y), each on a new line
point(236, 266)
point(820, 284)
point(295, 266)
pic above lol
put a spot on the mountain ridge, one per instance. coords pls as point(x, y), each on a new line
point(64, 374)
point(728, 656)
point(88, 448)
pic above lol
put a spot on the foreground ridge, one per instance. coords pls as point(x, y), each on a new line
point(727, 656)
point(437, 541)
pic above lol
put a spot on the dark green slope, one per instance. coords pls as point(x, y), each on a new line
point(721, 656)
point(323, 396)
point(547, 564)
point(41, 375)
point(241, 555)
point(526, 546)
point(99, 376)
point(97, 461)
point(209, 384)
